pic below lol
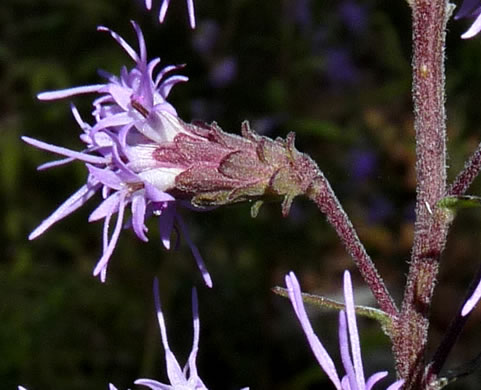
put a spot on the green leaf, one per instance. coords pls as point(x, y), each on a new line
point(455, 203)
point(366, 311)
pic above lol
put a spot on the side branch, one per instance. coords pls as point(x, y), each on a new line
point(321, 193)
point(466, 177)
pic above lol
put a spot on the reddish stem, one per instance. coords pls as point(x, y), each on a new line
point(322, 194)
point(429, 23)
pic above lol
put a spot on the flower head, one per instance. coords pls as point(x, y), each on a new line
point(348, 341)
point(471, 9)
point(132, 120)
point(165, 6)
point(180, 379)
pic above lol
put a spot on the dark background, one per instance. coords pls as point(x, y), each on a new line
point(336, 72)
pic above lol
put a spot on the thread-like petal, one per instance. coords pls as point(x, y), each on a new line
point(472, 301)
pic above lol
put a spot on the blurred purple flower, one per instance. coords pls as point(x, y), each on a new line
point(348, 341)
point(165, 6)
point(363, 163)
point(223, 72)
point(353, 15)
point(205, 37)
point(133, 119)
point(340, 68)
point(300, 13)
point(470, 9)
point(380, 208)
point(186, 379)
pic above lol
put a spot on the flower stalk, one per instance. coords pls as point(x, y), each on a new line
point(321, 193)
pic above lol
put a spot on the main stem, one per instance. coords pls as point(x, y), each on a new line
point(429, 23)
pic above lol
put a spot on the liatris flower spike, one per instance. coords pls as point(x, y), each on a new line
point(471, 9)
point(165, 6)
point(132, 118)
point(186, 379)
point(348, 340)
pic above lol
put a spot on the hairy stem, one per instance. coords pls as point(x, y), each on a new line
point(429, 23)
point(321, 193)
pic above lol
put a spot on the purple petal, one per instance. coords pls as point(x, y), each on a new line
point(64, 93)
point(190, 7)
point(141, 40)
point(121, 95)
point(294, 291)
point(174, 371)
point(195, 343)
point(396, 385)
point(474, 29)
point(107, 207)
point(75, 201)
point(345, 353)
point(163, 10)
point(113, 120)
point(64, 151)
point(163, 72)
point(56, 163)
point(166, 224)
point(167, 84)
point(130, 51)
point(109, 245)
point(195, 252)
point(138, 216)
point(154, 385)
point(148, 4)
point(353, 332)
point(156, 195)
point(466, 9)
point(472, 301)
point(106, 177)
point(373, 379)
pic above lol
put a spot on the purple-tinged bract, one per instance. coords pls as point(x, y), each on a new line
point(348, 341)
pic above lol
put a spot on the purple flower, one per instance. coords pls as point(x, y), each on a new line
point(132, 121)
point(471, 9)
point(348, 340)
point(165, 6)
point(186, 379)
point(179, 379)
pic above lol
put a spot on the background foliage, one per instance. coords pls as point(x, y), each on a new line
point(337, 73)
